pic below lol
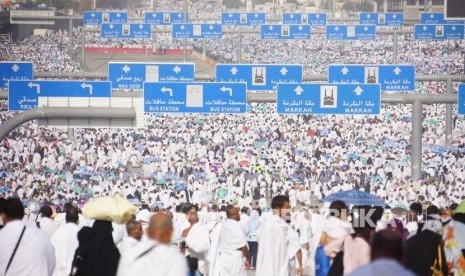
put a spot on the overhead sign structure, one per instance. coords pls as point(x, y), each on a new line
point(461, 99)
point(195, 97)
point(437, 18)
point(312, 19)
point(15, 70)
point(259, 77)
point(285, 32)
point(24, 95)
point(188, 30)
point(350, 32)
point(328, 98)
point(130, 30)
point(381, 19)
point(97, 17)
point(439, 32)
point(242, 19)
point(163, 18)
point(394, 77)
point(133, 75)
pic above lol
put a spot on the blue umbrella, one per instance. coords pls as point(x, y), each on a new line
point(356, 197)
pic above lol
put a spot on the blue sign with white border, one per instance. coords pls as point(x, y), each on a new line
point(164, 18)
point(312, 19)
point(461, 99)
point(394, 77)
point(15, 70)
point(328, 98)
point(132, 75)
point(189, 31)
point(24, 95)
point(259, 77)
point(381, 19)
point(439, 32)
point(195, 97)
point(242, 19)
point(437, 18)
point(129, 30)
point(97, 17)
point(285, 32)
point(350, 32)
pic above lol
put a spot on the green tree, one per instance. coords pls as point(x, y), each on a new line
point(232, 4)
point(348, 6)
point(365, 6)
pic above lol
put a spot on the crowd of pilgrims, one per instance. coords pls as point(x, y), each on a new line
point(217, 239)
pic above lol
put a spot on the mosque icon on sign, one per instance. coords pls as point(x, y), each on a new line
point(371, 75)
point(328, 96)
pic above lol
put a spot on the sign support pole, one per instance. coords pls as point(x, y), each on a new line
point(184, 41)
point(416, 139)
point(448, 114)
point(394, 57)
point(71, 38)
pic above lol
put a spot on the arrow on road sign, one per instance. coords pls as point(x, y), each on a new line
point(368, 15)
point(182, 27)
point(36, 85)
point(298, 90)
point(92, 14)
point(165, 90)
point(211, 27)
point(358, 91)
point(271, 28)
point(15, 68)
point(345, 70)
point(177, 69)
point(111, 26)
point(226, 89)
point(141, 26)
point(256, 15)
point(366, 29)
point(300, 28)
point(283, 71)
point(230, 15)
point(85, 85)
point(118, 15)
point(126, 68)
point(234, 70)
point(397, 71)
point(336, 28)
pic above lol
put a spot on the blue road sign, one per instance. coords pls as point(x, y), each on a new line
point(24, 95)
point(285, 32)
point(97, 17)
point(15, 70)
point(381, 19)
point(133, 75)
point(350, 32)
point(189, 30)
point(164, 18)
point(394, 77)
point(328, 98)
point(259, 77)
point(195, 97)
point(437, 18)
point(439, 32)
point(242, 19)
point(129, 30)
point(461, 99)
point(312, 19)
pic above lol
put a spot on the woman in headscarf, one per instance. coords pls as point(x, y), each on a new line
point(428, 242)
point(97, 254)
point(252, 227)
